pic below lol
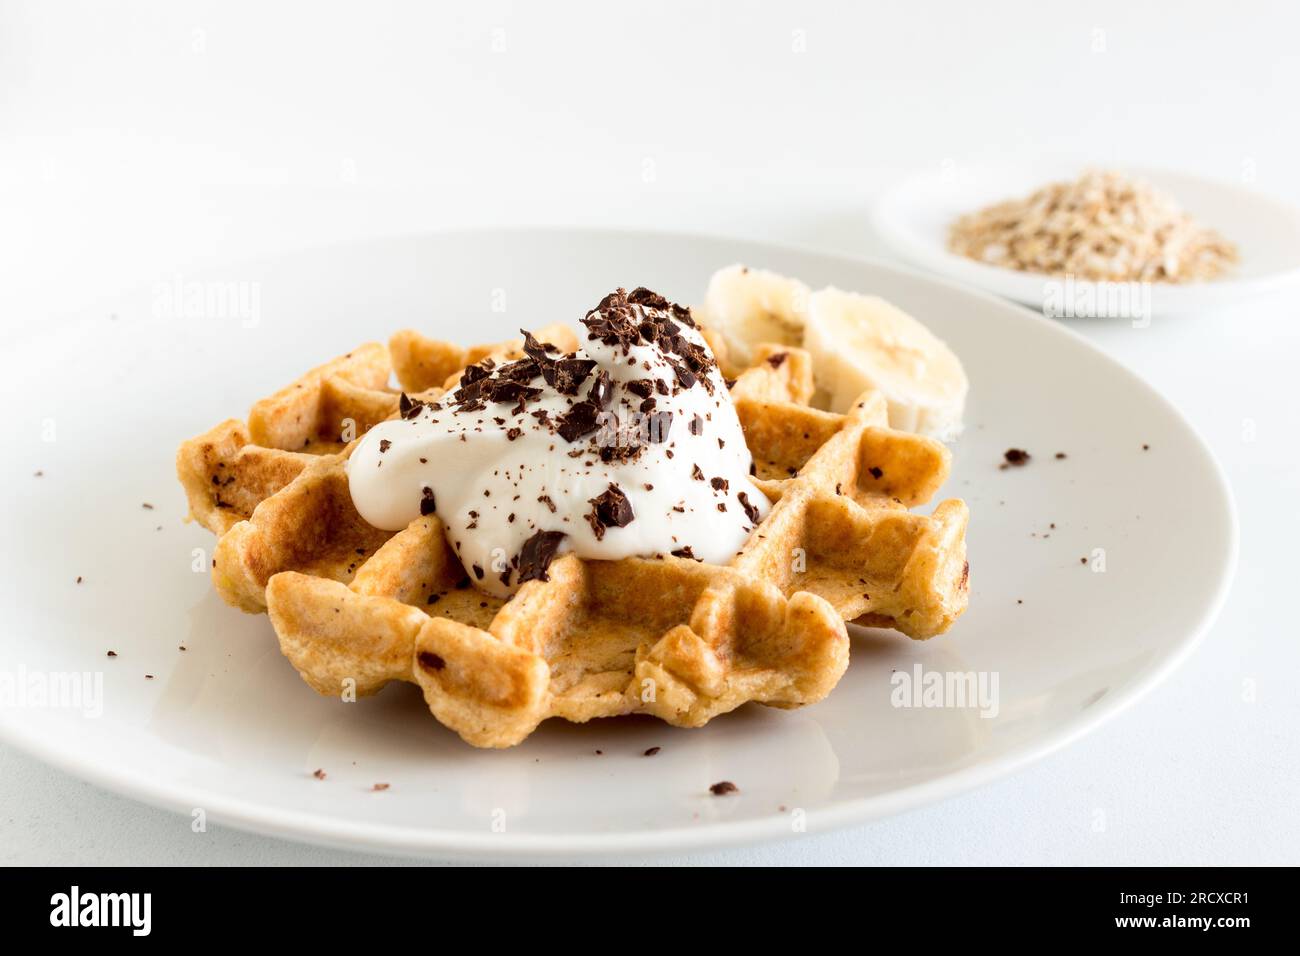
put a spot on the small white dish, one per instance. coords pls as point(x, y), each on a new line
point(226, 729)
point(914, 215)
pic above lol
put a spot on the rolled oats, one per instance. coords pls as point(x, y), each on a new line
point(1103, 226)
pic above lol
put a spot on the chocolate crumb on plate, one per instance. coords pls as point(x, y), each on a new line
point(651, 752)
point(319, 774)
point(723, 787)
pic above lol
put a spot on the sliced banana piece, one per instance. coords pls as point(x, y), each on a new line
point(749, 306)
point(856, 341)
point(861, 342)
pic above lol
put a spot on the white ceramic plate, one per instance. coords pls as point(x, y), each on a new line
point(913, 218)
point(227, 727)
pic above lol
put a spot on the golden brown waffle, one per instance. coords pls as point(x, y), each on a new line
point(355, 607)
point(843, 486)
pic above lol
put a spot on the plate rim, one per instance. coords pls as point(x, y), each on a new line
point(323, 830)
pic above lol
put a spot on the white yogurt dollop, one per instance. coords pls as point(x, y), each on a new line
point(629, 447)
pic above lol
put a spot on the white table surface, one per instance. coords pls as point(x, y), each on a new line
point(139, 141)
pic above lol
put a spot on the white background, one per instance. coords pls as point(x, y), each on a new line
point(139, 141)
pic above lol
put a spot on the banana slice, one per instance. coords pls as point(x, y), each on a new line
point(856, 341)
point(748, 306)
point(859, 342)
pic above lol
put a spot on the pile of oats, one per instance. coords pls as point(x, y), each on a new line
point(1103, 226)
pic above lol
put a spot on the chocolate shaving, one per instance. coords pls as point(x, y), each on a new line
point(684, 375)
point(578, 421)
point(611, 509)
point(476, 373)
point(565, 375)
point(643, 296)
point(409, 407)
point(504, 390)
point(523, 370)
point(751, 510)
point(536, 555)
point(536, 350)
point(620, 452)
point(602, 390)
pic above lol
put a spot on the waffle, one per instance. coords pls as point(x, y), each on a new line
point(355, 607)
